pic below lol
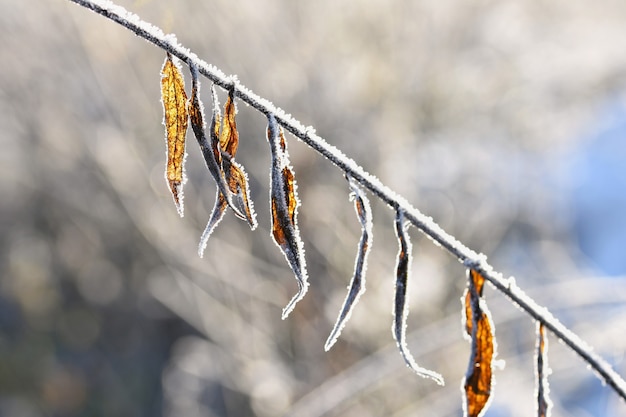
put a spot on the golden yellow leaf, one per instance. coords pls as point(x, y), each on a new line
point(175, 120)
point(229, 139)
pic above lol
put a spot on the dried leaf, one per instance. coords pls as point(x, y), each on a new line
point(284, 205)
point(357, 284)
point(211, 154)
point(229, 139)
point(237, 181)
point(479, 282)
point(543, 389)
point(479, 377)
point(175, 120)
point(401, 310)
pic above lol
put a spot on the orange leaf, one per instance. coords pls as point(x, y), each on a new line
point(175, 120)
point(479, 377)
point(479, 282)
point(401, 310)
point(284, 205)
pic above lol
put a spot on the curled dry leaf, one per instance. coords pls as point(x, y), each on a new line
point(231, 179)
point(210, 150)
point(234, 174)
point(543, 390)
point(401, 310)
point(479, 377)
point(357, 284)
point(175, 120)
point(284, 204)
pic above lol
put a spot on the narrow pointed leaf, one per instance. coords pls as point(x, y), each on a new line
point(543, 389)
point(175, 120)
point(357, 284)
point(284, 204)
point(401, 310)
point(479, 377)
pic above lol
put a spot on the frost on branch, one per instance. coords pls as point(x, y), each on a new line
point(357, 284)
point(401, 310)
point(284, 206)
point(175, 120)
point(478, 381)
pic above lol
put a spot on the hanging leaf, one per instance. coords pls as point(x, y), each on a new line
point(543, 389)
point(479, 377)
point(401, 310)
point(229, 139)
point(210, 151)
point(479, 282)
point(357, 284)
point(284, 204)
point(237, 181)
point(175, 120)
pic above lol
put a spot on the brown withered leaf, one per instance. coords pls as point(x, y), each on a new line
point(479, 377)
point(210, 151)
point(175, 119)
point(401, 311)
point(284, 204)
point(229, 139)
point(357, 284)
point(237, 181)
point(479, 283)
point(543, 390)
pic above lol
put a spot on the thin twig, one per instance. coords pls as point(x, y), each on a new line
point(465, 255)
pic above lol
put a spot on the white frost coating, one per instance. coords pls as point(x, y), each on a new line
point(357, 284)
point(422, 222)
point(401, 308)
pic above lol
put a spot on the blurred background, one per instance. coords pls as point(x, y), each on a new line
point(504, 120)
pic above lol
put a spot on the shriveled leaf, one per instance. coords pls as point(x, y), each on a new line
point(284, 204)
point(543, 389)
point(229, 139)
point(401, 310)
point(175, 120)
point(357, 284)
point(237, 181)
point(479, 377)
point(210, 151)
point(479, 282)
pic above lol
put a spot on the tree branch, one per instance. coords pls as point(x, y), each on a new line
point(468, 257)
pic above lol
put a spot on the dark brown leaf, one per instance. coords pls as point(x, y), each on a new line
point(284, 205)
point(357, 284)
point(401, 310)
point(175, 120)
point(479, 377)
